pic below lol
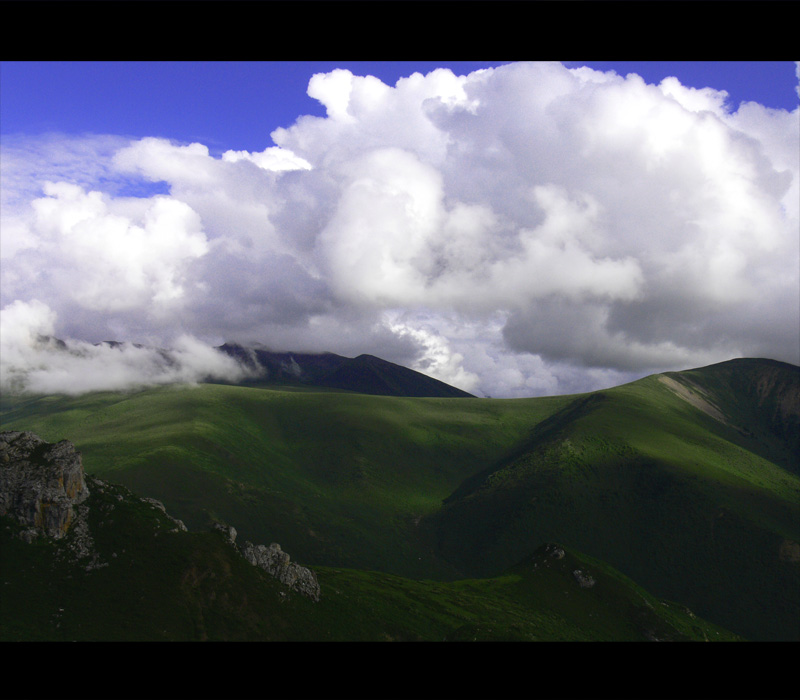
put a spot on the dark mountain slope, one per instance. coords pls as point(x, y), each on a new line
point(121, 568)
point(284, 367)
point(588, 593)
point(368, 374)
point(642, 478)
point(364, 374)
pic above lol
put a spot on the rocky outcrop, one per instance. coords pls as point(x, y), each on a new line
point(41, 484)
point(277, 563)
point(228, 531)
point(179, 525)
point(44, 487)
point(584, 580)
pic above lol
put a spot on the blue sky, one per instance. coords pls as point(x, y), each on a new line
point(235, 105)
point(533, 228)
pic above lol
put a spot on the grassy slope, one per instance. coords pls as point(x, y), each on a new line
point(635, 476)
point(762, 402)
point(640, 478)
point(336, 478)
point(159, 584)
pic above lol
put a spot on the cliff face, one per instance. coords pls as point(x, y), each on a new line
point(40, 483)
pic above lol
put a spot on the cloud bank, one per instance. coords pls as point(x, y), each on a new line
point(522, 230)
point(33, 361)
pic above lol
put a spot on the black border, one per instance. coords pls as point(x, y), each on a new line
point(399, 29)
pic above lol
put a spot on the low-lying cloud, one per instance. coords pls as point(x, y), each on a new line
point(34, 361)
point(521, 230)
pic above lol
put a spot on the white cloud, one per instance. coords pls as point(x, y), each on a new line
point(114, 256)
point(693, 99)
point(376, 245)
point(269, 159)
point(522, 228)
point(436, 358)
point(32, 361)
point(158, 159)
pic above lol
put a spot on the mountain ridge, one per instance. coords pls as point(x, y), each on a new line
point(637, 476)
point(681, 463)
point(761, 401)
point(364, 373)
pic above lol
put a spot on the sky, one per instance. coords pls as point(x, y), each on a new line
point(513, 229)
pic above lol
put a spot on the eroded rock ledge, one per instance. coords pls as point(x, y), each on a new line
point(41, 484)
point(276, 563)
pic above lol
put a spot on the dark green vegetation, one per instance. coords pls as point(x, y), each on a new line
point(423, 516)
point(159, 584)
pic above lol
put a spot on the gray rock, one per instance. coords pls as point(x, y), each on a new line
point(155, 503)
point(228, 531)
point(583, 579)
point(29, 535)
point(179, 524)
point(277, 563)
point(40, 483)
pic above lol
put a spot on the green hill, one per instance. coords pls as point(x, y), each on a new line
point(660, 485)
point(757, 403)
point(339, 478)
point(149, 581)
point(698, 501)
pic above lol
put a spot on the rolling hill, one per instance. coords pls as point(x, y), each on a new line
point(684, 482)
point(672, 488)
point(153, 582)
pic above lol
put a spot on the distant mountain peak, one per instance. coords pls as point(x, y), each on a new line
point(365, 373)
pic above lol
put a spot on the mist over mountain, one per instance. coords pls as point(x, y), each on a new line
point(35, 363)
point(69, 367)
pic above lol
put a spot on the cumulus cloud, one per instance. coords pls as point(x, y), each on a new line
point(520, 230)
point(437, 358)
point(269, 159)
point(128, 255)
